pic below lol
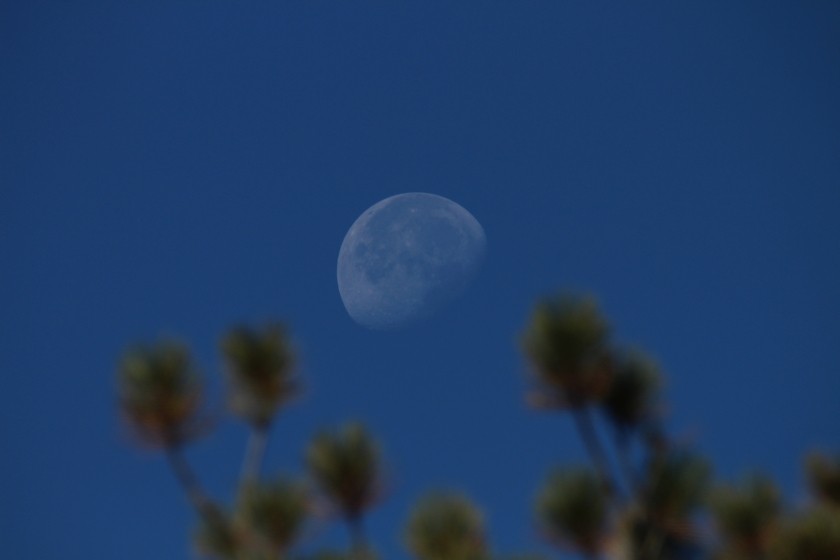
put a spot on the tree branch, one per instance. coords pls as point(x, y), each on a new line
point(257, 443)
point(357, 536)
point(586, 428)
point(189, 481)
point(622, 443)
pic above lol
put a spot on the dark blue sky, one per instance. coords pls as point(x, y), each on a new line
point(177, 167)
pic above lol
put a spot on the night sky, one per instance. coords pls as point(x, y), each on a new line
point(174, 168)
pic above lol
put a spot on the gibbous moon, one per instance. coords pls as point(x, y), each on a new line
point(405, 257)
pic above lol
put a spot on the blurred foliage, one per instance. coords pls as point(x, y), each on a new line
point(640, 537)
point(659, 525)
point(531, 556)
point(446, 527)
point(327, 555)
point(632, 398)
point(337, 555)
point(216, 536)
point(274, 512)
point(160, 393)
point(345, 465)
point(261, 365)
point(676, 486)
point(811, 535)
point(566, 342)
point(575, 369)
point(824, 477)
point(746, 514)
point(572, 509)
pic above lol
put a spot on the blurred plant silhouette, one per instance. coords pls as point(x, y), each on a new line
point(572, 510)
point(160, 393)
point(824, 476)
point(747, 516)
point(446, 525)
point(345, 465)
point(645, 497)
point(260, 367)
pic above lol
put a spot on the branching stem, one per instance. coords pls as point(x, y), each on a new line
point(257, 443)
point(357, 536)
point(189, 481)
point(622, 443)
point(586, 428)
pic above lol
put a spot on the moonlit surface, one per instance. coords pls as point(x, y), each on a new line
point(407, 256)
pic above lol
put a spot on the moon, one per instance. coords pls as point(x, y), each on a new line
point(406, 257)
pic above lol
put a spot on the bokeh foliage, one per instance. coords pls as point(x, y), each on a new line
point(160, 393)
point(446, 526)
point(644, 495)
point(260, 369)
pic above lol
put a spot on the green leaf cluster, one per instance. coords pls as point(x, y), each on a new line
point(446, 526)
point(573, 509)
point(160, 392)
point(261, 364)
point(643, 496)
point(346, 466)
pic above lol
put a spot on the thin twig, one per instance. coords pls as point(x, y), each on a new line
point(189, 481)
point(257, 443)
point(622, 443)
point(586, 428)
point(357, 535)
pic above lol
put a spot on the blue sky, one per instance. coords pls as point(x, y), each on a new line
point(174, 168)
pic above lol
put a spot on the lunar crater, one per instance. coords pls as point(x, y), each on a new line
point(406, 257)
